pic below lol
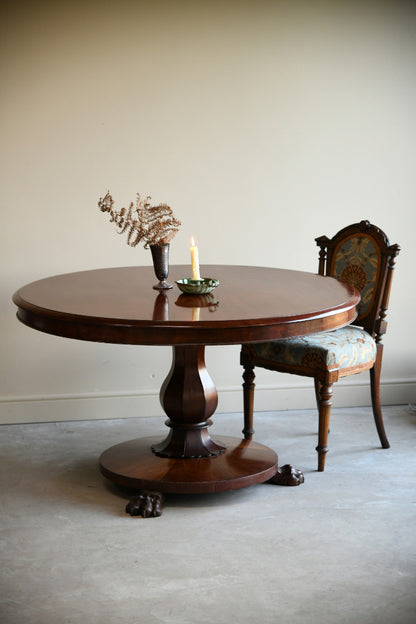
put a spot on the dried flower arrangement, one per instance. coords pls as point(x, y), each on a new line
point(153, 225)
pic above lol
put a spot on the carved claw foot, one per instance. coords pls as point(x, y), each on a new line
point(287, 475)
point(146, 504)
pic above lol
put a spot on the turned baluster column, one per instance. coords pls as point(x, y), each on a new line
point(189, 398)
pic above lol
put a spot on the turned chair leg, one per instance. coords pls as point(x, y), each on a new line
point(248, 399)
point(325, 404)
point(318, 386)
point(375, 397)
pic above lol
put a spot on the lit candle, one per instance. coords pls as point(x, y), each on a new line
point(195, 260)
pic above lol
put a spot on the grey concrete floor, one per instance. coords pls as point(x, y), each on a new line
point(339, 549)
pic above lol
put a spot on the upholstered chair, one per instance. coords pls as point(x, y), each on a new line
point(361, 255)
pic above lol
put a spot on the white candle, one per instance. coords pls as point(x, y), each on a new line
point(195, 261)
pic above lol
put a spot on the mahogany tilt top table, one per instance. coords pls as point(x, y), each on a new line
point(251, 304)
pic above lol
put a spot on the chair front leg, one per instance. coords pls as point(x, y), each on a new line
point(318, 386)
point(248, 398)
point(375, 397)
point(325, 404)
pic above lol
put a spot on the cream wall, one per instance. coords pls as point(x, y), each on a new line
point(263, 124)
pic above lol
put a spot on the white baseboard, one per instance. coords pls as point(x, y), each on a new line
point(346, 394)
point(267, 398)
point(91, 407)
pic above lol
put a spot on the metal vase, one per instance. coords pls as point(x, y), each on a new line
point(160, 257)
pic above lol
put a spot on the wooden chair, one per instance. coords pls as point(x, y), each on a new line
point(361, 255)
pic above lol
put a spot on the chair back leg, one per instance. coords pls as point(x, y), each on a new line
point(375, 397)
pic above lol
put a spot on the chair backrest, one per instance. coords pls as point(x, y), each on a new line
point(361, 255)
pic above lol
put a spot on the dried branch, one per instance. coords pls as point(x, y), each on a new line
point(153, 225)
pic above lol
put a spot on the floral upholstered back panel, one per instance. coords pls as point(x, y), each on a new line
point(356, 261)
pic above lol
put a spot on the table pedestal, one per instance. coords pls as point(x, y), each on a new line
point(189, 398)
point(188, 460)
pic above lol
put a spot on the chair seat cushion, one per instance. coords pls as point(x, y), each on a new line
point(342, 348)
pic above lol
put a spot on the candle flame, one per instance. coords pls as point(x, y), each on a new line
point(192, 241)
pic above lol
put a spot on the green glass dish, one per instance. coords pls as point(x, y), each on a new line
point(197, 287)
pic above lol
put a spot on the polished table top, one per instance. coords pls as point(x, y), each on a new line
point(250, 304)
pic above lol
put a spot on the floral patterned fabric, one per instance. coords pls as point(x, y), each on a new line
point(356, 262)
point(342, 348)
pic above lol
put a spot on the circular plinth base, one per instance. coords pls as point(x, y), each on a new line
point(132, 464)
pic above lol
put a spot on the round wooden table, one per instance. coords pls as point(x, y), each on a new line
point(251, 304)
